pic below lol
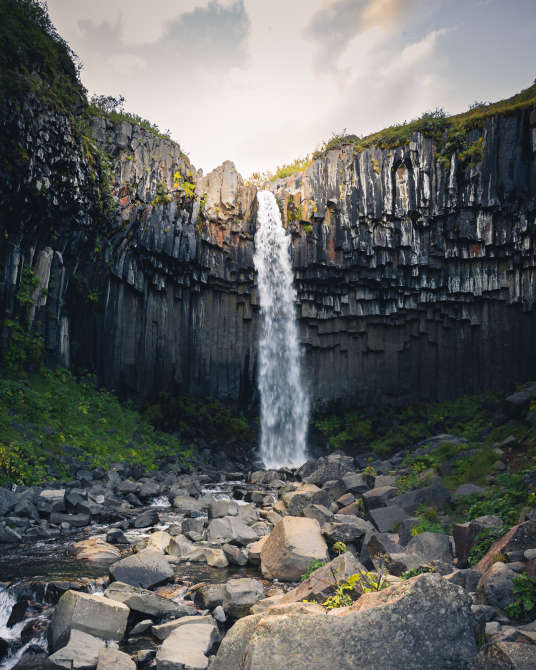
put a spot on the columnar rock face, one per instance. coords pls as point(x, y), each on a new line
point(414, 279)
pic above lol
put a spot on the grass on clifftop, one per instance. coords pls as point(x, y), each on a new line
point(48, 417)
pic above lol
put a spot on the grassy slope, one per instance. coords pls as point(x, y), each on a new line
point(50, 415)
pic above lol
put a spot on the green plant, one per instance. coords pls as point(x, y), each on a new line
point(339, 548)
point(414, 572)
point(288, 169)
point(313, 565)
point(428, 521)
point(482, 543)
point(524, 605)
point(356, 585)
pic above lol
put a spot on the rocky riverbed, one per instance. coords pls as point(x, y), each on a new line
point(175, 569)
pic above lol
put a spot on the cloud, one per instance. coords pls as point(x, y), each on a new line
point(334, 26)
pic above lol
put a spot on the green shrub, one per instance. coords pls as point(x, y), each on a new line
point(524, 605)
point(313, 565)
point(482, 543)
point(428, 521)
point(414, 572)
point(356, 585)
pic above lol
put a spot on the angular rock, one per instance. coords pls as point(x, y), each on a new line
point(496, 585)
point(321, 583)
point(290, 548)
point(506, 656)
point(159, 541)
point(146, 519)
point(254, 551)
point(146, 569)
point(387, 519)
point(379, 497)
point(441, 635)
point(318, 512)
point(91, 614)
point(235, 555)
point(518, 538)
point(221, 508)
point(96, 550)
point(240, 594)
point(186, 647)
point(146, 602)
point(306, 494)
point(435, 495)
point(187, 504)
point(80, 653)
point(432, 547)
point(208, 596)
point(216, 558)
point(347, 529)
point(355, 483)
point(164, 630)
point(465, 534)
point(231, 529)
point(113, 659)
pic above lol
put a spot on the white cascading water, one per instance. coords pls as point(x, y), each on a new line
point(284, 402)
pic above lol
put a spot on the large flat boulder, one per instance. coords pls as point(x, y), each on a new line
point(291, 546)
point(146, 569)
point(91, 614)
point(422, 623)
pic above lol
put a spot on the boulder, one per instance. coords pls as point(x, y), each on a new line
point(8, 500)
point(231, 529)
point(255, 549)
point(373, 633)
point(146, 602)
point(465, 534)
point(518, 538)
point(357, 484)
point(346, 528)
point(146, 519)
point(146, 569)
point(74, 520)
point(209, 596)
point(91, 614)
point(318, 512)
point(221, 508)
point(387, 519)
point(506, 656)
point(240, 594)
point(159, 541)
point(291, 546)
point(306, 494)
point(465, 490)
point(96, 550)
point(235, 555)
point(435, 495)
point(431, 547)
point(517, 404)
point(164, 630)
point(80, 653)
point(320, 583)
point(379, 497)
point(187, 647)
point(496, 585)
point(116, 536)
point(187, 504)
point(216, 558)
point(113, 659)
point(326, 468)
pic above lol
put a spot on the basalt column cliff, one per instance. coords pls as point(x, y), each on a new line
point(415, 276)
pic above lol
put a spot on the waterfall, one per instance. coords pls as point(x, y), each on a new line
point(284, 402)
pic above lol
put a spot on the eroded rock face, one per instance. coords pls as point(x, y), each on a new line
point(302, 636)
point(411, 276)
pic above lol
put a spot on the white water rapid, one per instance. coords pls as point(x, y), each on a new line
point(284, 402)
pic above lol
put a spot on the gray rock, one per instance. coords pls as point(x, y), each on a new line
point(8, 500)
point(334, 466)
point(186, 647)
point(318, 512)
point(435, 495)
point(141, 627)
point(379, 497)
point(355, 483)
point(506, 656)
point(441, 634)
point(164, 630)
point(146, 602)
point(9, 535)
point(431, 546)
point(219, 614)
point(467, 490)
point(496, 585)
point(208, 596)
point(187, 504)
point(240, 594)
point(235, 555)
point(231, 529)
point(387, 519)
point(91, 614)
point(80, 653)
point(113, 659)
point(146, 569)
point(221, 508)
point(347, 529)
point(146, 519)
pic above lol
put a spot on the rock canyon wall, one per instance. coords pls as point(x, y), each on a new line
point(415, 278)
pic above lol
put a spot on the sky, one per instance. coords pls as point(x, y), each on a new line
point(263, 82)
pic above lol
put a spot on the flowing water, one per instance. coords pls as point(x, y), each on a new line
point(284, 402)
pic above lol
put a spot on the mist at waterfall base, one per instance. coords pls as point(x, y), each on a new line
point(284, 402)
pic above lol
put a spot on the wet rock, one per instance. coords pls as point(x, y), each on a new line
point(90, 614)
point(146, 519)
point(240, 594)
point(74, 520)
point(146, 569)
point(116, 536)
point(96, 550)
point(146, 602)
point(291, 546)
